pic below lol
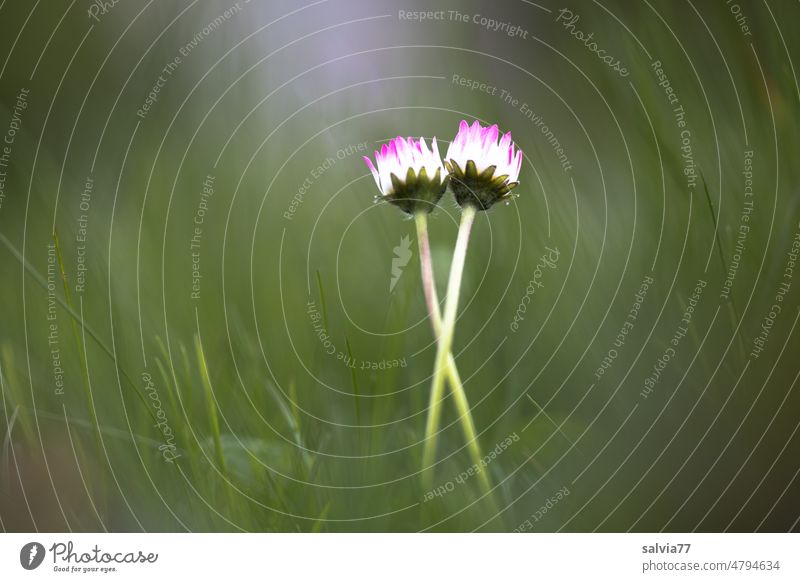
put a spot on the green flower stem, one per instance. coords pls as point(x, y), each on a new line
point(431, 297)
point(445, 364)
point(426, 265)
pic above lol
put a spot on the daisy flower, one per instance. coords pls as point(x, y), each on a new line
point(409, 174)
point(483, 170)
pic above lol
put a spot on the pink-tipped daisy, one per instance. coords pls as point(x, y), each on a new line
point(483, 170)
point(409, 175)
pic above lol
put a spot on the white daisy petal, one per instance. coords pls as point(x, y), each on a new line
point(480, 144)
point(398, 156)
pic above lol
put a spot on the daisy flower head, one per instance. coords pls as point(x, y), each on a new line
point(409, 174)
point(483, 169)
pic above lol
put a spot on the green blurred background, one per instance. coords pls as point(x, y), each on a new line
point(211, 281)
